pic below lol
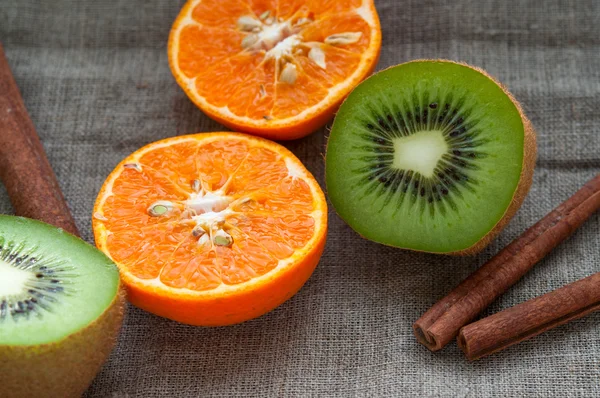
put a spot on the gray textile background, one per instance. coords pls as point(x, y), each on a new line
point(95, 79)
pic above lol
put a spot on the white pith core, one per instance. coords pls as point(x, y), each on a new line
point(281, 40)
point(211, 217)
point(283, 47)
point(12, 280)
point(419, 152)
point(208, 202)
point(208, 211)
point(271, 35)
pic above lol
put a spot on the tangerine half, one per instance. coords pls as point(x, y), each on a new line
point(275, 68)
point(211, 229)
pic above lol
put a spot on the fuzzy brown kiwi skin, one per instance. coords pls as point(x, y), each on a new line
point(525, 180)
point(65, 368)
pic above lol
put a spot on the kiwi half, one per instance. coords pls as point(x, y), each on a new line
point(433, 156)
point(61, 308)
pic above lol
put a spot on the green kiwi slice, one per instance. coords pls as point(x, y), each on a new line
point(51, 284)
point(431, 156)
point(60, 310)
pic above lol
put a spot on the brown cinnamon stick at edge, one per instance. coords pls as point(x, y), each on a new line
point(440, 324)
point(24, 169)
point(533, 317)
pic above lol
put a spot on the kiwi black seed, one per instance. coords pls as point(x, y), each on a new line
point(430, 155)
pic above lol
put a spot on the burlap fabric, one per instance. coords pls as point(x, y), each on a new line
point(95, 78)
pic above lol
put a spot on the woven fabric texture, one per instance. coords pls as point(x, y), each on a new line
point(95, 78)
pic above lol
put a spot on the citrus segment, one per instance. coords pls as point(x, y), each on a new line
point(347, 31)
point(287, 9)
point(290, 99)
point(203, 47)
point(259, 7)
point(290, 196)
point(220, 14)
point(220, 214)
point(145, 251)
point(333, 6)
point(276, 68)
point(225, 77)
point(174, 167)
point(261, 168)
point(215, 161)
point(256, 99)
point(198, 272)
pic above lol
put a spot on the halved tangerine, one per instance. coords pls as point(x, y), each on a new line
point(211, 229)
point(276, 68)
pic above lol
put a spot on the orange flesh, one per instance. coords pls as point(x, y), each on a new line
point(267, 212)
point(211, 52)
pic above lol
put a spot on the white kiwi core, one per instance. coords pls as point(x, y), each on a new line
point(12, 280)
point(419, 152)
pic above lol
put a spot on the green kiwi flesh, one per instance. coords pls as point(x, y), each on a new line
point(61, 308)
point(430, 156)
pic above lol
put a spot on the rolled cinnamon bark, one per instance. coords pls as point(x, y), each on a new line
point(24, 168)
point(440, 324)
point(526, 320)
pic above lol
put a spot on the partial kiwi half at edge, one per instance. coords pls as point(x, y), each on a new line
point(61, 309)
point(433, 156)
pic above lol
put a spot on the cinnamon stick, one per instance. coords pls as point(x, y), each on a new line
point(526, 320)
point(24, 168)
point(440, 324)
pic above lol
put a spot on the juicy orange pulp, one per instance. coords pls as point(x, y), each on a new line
point(277, 68)
point(209, 229)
